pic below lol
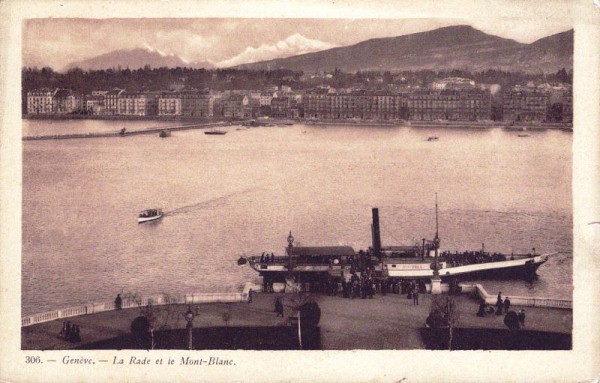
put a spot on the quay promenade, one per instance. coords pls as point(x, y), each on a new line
point(384, 322)
point(127, 132)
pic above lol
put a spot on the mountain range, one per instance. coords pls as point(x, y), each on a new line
point(135, 59)
point(455, 47)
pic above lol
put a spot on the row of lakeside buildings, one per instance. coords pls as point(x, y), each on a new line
point(525, 104)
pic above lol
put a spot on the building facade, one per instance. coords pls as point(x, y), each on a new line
point(236, 107)
point(450, 105)
point(40, 101)
point(522, 105)
point(111, 101)
point(137, 104)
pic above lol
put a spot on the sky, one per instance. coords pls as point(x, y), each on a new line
point(57, 42)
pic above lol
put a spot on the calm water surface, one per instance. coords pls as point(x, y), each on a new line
point(241, 193)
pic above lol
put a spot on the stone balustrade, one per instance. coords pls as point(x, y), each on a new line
point(132, 302)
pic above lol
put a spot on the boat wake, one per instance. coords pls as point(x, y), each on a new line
point(210, 203)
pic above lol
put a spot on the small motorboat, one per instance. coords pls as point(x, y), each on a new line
point(216, 132)
point(523, 135)
point(433, 138)
point(149, 215)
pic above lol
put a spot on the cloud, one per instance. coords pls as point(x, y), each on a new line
point(295, 44)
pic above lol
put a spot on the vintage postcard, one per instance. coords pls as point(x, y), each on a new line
point(308, 191)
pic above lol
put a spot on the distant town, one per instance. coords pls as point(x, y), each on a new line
point(245, 94)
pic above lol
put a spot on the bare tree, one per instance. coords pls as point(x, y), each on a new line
point(444, 313)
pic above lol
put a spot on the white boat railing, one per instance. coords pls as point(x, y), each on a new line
point(132, 302)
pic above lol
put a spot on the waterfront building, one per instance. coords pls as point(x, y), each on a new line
point(137, 104)
point(111, 99)
point(316, 104)
point(217, 102)
point(236, 107)
point(197, 104)
point(359, 104)
point(66, 101)
point(169, 104)
point(40, 101)
point(95, 105)
point(280, 107)
point(451, 105)
point(525, 105)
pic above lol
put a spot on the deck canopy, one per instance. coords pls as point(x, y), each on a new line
point(325, 251)
point(401, 251)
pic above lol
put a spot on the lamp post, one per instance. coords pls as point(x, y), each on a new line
point(436, 281)
point(290, 240)
point(290, 275)
point(189, 318)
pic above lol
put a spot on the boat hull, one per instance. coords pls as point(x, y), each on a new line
point(148, 219)
point(524, 268)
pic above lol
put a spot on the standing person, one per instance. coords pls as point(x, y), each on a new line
point(499, 306)
point(63, 332)
point(506, 304)
point(118, 302)
point(415, 296)
point(279, 307)
point(68, 331)
point(250, 292)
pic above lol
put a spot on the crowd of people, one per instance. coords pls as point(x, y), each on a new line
point(470, 257)
point(70, 332)
point(266, 258)
point(514, 320)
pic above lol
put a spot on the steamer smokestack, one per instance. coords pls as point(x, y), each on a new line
point(376, 233)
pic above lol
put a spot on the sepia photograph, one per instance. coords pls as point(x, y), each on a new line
point(218, 186)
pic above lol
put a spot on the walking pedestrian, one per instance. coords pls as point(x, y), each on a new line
point(415, 296)
point(118, 302)
point(250, 292)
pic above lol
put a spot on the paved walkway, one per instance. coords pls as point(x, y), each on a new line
point(384, 322)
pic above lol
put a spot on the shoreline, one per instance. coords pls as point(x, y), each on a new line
point(308, 121)
point(190, 124)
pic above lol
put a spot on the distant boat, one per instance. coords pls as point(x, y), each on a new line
point(523, 135)
point(216, 132)
point(149, 215)
point(164, 133)
point(433, 138)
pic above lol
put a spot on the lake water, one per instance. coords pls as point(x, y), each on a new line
point(241, 193)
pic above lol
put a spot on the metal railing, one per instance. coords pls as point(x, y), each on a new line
point(132, 302)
